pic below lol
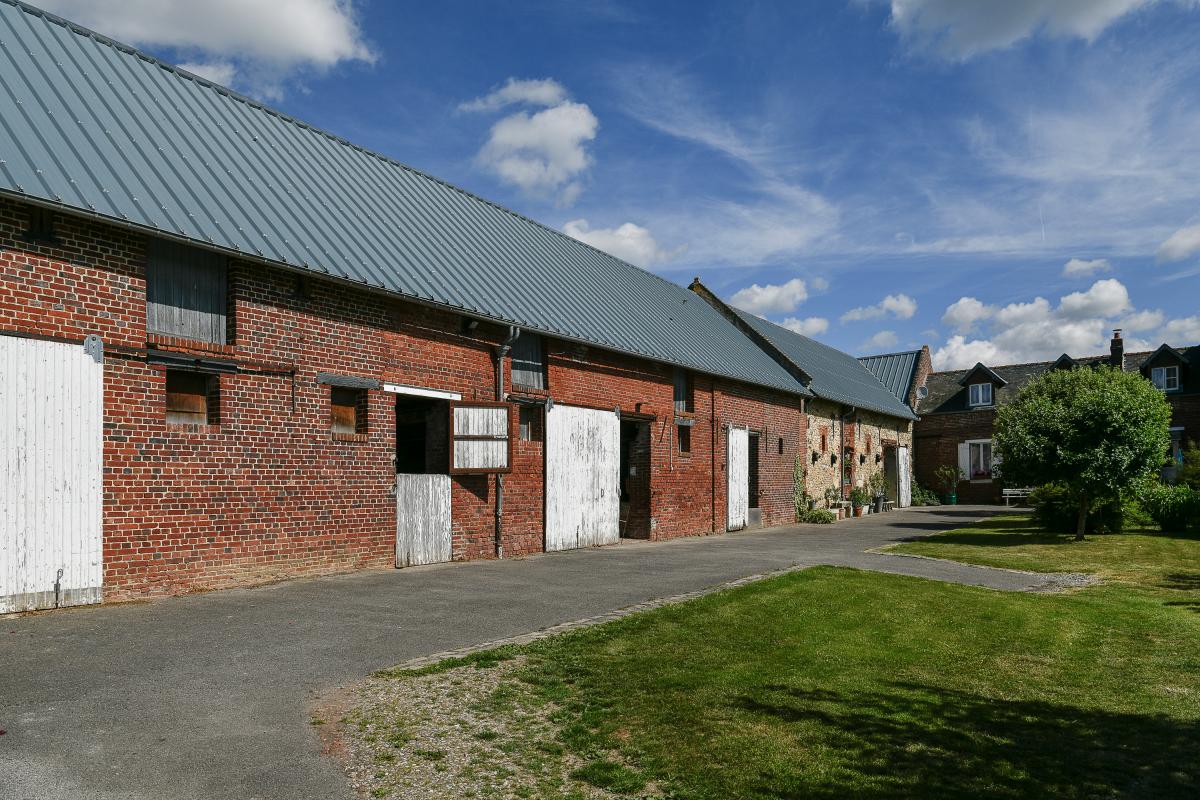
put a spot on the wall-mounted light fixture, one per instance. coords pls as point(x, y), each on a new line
point(815, 456)
point(862, 459)
point(832, 459)
point(878, 458)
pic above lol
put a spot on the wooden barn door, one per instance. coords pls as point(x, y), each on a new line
point(737, 499)
point(583, 477)
point(423, 520)
point(905, 471)
point(51, 472)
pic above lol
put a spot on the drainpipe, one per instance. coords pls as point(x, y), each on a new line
point(842, 456)
point(501, 351)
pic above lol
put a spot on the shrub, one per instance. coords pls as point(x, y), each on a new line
point(1173, 508)
point(859, 497)
point(924, 497)
point(1189, 471)
point(818, 516)
point(1056, 509)
point(947, 477)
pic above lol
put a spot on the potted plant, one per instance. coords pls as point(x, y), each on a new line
point(947, 477)
point(858, 499)
point(878, 484)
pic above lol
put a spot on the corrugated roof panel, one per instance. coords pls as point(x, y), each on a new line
point(97, 127)
point(894, 371)
point(835, 375)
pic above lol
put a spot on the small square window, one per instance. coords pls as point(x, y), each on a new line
point(780, 445)
point(684, 391)
point(192, 398)
point(41, 226)
point(981, 394)
point(529, 423)
point(685, 438)
point(1165, 379)
point(824, 440)
point(347, 410)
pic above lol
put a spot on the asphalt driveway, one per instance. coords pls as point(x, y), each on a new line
point(208, 696)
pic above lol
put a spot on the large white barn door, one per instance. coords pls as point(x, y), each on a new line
point(583, 474)
point(738, 497)
point(51, 472)
point(905, 476)
point(423, 533)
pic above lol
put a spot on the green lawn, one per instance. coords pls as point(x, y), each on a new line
point(838, 683)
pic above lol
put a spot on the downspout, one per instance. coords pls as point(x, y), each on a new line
point(502, 350)
point(716, 435)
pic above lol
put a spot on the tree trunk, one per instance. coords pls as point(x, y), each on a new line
point(1081, 523)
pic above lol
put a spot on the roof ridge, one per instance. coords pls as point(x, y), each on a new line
point(889, 355)
point(129, 49)
point(1054, 361)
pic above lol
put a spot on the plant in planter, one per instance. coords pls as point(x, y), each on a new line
point(947, 477)
point(831, 497)
point(878, 485)
point(859, 498)
point(799, 491)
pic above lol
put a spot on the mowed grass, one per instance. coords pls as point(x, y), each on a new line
point(839, 683)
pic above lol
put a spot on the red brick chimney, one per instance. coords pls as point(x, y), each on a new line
point(1116, 351)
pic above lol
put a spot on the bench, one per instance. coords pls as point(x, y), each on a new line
point(1015, 494)
point(888, 505)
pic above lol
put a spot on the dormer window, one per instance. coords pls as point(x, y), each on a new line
point(1165, 379)
point(980, 394)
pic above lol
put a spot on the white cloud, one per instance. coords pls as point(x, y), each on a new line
point(1106, 298)
point(900, 306)
point(880, 340)
point(1078, 266)
point(257, 42)
point(544, 92)
point(221, 72)
point(965, 313)
point(960, 29)
point(1039, 331)
point(544, 152)
point(1141, 321)
point(772, 298)
point(809, 326)
point(819, 284)
point(629, 242)
point(1182, 332)
point(1182, 244)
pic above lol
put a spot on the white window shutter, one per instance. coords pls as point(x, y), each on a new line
point(964, 459)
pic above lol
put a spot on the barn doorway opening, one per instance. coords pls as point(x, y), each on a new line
point(423, 512)
point(635, 479)
point(754, 512)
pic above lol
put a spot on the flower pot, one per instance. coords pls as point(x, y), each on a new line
point(858, 511)
point(879, 504)
point(950, 499)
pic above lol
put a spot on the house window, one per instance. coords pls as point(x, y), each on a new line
point(981, 394)
point(186, 293)
point(683, 391)
point(684, 435)
point(528, 364)
point(824, 440)
point(41, 226)
point(1165, 379)
point(528, 423)
point(347, 410)
point(980, 460)
point(192, 398)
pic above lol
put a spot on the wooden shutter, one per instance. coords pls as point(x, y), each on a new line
point(480, 438)
point(185, 292)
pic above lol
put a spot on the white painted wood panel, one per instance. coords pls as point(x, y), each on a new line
point(738, 497)
point(583, 466)
point(905, 473)
point(480, 438)
point(51, 472)
point(423, 519)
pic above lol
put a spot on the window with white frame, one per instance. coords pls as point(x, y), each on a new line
point(1165, 379)
point(981, 394)
point(980, 460)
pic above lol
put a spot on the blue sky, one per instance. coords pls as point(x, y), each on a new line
point(1003, 180)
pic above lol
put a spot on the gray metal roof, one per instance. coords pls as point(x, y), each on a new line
point(97, 127)
point(894, 370)
point(835, 375)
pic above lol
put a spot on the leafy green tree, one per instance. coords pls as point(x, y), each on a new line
point(1189, 473)
point(1096, 432)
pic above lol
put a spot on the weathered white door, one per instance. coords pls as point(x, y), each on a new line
point(583, 475)
point(422, 519)
point(51, 472)
point(738, 496)
point(905, 477)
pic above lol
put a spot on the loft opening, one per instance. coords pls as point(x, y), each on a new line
point(422, 435)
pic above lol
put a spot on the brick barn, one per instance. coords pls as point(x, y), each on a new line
point(958, 414)
point(239, 348)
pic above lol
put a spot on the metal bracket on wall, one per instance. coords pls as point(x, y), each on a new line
point(93, 345)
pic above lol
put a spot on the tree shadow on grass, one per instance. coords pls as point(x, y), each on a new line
point(912, 740)
point(1189, 584)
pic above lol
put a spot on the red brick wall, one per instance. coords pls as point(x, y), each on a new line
point(268, 492)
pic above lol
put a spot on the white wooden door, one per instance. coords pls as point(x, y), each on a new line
point(51, 472)
point(583, 476)
point(423, 520)
point(738, 496)
point(904, 472)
